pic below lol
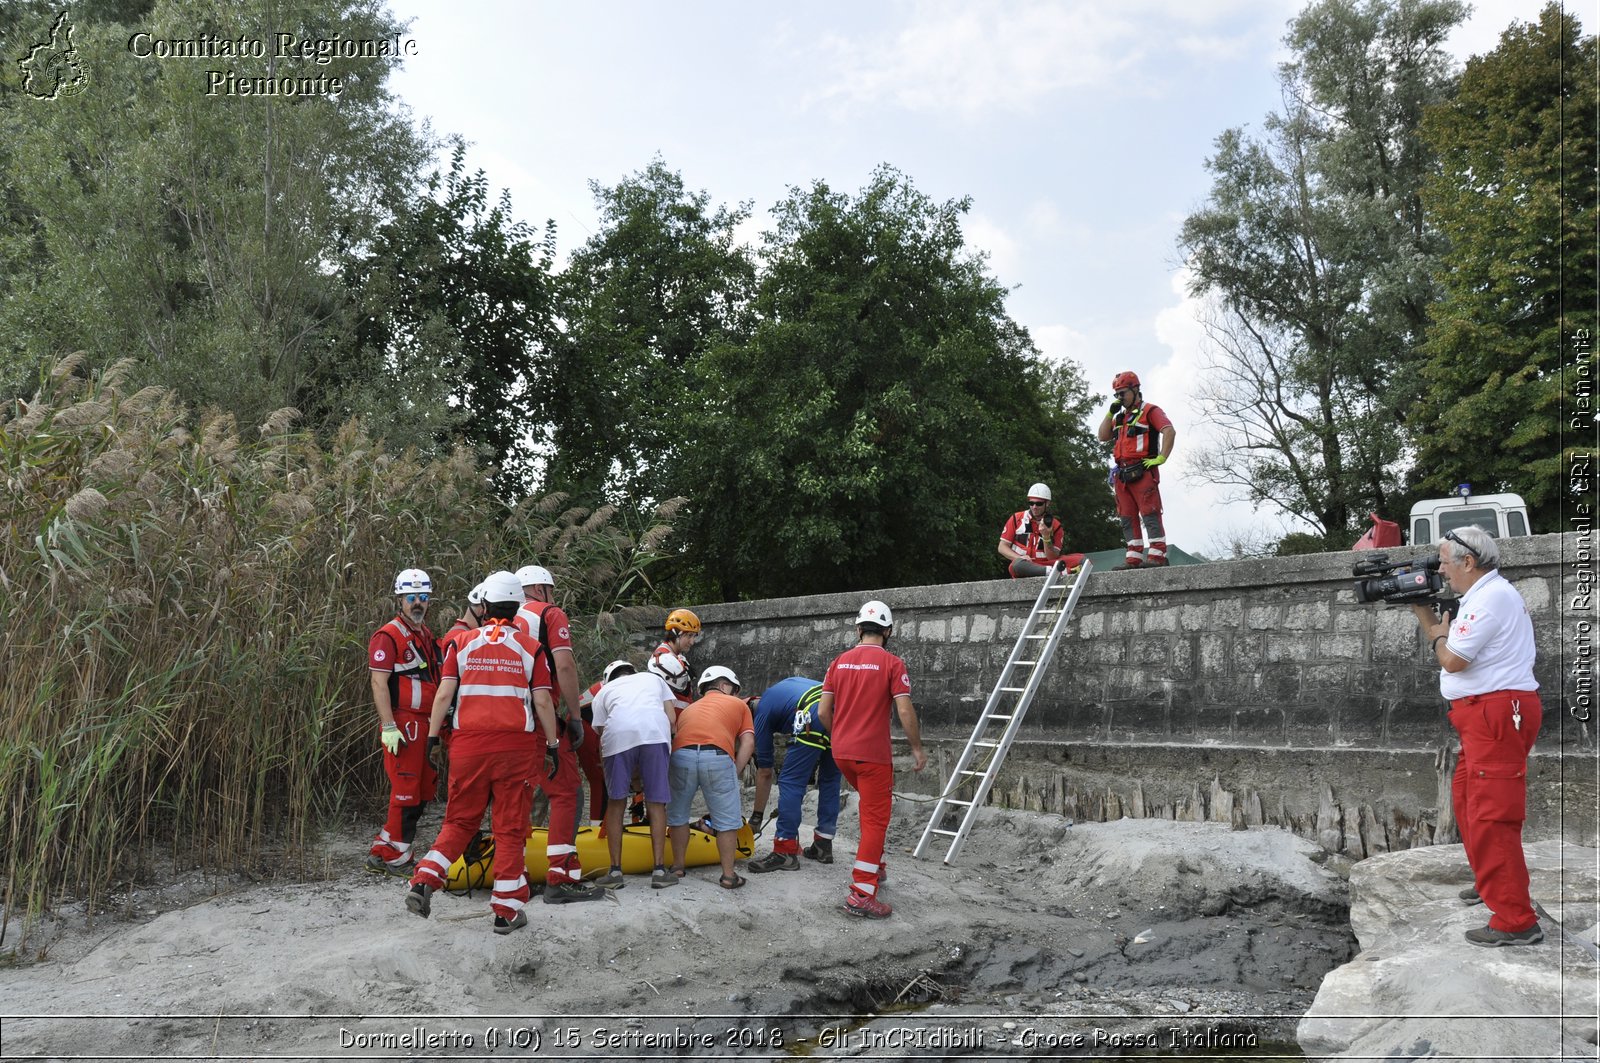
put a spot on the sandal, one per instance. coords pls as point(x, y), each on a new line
point(733, 882)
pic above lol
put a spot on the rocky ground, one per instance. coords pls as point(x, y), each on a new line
point(1045, 939)
point(1419, 990)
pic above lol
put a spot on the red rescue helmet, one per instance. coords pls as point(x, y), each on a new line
point(1125, 380)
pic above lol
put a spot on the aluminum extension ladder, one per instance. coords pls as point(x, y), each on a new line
point(980, 762)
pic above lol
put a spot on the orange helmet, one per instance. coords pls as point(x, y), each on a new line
point(1124, 380)
point(681, 621)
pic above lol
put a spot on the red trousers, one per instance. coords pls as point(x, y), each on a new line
point(1138, 499)
point(561, 847)
point(475, 778)
point(1490, 797)
point(874, 784)
point(594, 773)
point(412, 783)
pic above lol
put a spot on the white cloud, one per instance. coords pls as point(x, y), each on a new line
point(983, 234)
point(1044, 216)
point(1061, 343)
point(971, 57)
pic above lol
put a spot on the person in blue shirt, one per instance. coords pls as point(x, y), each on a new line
point(790, 708)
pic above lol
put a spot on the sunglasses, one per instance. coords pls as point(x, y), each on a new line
point(416, 598)
point(1451, 536)
point(1036, 502)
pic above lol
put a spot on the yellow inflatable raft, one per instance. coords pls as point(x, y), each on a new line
point(475, 869)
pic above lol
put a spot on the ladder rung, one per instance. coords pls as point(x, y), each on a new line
point(1013, 690)
point(946, 833)
point(1027, 662)
point(988, 745)
point(979, 774)
point(1036, 636)
point(997, 716)
point(953, 801)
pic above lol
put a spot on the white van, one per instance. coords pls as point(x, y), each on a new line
point(1499, 515)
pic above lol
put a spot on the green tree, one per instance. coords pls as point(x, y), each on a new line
point(454, 312)
point(200, 233)
point(1318, 262)
point(659, 285)
point(1516, 193)
point(887, 412)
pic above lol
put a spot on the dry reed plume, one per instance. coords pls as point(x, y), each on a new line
point(186, 613)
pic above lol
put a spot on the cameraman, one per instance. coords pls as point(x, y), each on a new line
point(1485, 657)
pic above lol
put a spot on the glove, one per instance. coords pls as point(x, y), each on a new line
point(552, 757)
point(755, 822)
point(575, 731)
point(392, 739)
point(1116, 406)
point(1159, 459)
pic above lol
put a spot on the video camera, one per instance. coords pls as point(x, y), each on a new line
point(1400, 582)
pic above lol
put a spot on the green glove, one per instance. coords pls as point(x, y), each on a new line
point(1159, 459)
point(391, 739)
point(1116, 406)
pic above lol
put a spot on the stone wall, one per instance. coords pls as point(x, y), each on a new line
point(1271, 656)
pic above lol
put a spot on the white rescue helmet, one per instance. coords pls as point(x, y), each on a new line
point(475, 595)
point(1038, 493)
point(534, 576)
point(613, 668)
point(502, 586)
point(413, 581)
point(716, 672)
point(875, 613)
point(670, 667)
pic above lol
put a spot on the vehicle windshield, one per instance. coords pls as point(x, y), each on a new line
point(1452, 519)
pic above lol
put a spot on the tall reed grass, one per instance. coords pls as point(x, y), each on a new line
point(185, 609)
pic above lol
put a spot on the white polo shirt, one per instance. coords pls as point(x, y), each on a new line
point(1494, 633)
point(632, 710)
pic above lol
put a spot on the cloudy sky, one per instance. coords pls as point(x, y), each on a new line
point(1079, 128)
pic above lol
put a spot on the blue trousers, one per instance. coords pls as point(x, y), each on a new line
point(793, 778)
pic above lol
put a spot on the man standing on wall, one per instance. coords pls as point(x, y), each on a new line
point(862, 686)
point(1141, 438)
point(403, 662)
point(1485, 656)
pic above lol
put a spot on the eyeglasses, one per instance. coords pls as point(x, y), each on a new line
point(416, 598)
point(1451, 536)
point(1036, 502)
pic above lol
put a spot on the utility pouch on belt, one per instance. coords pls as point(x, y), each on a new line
point(1131, 473)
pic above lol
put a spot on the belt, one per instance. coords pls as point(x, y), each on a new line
point(1492, 695)
point(712, 749)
